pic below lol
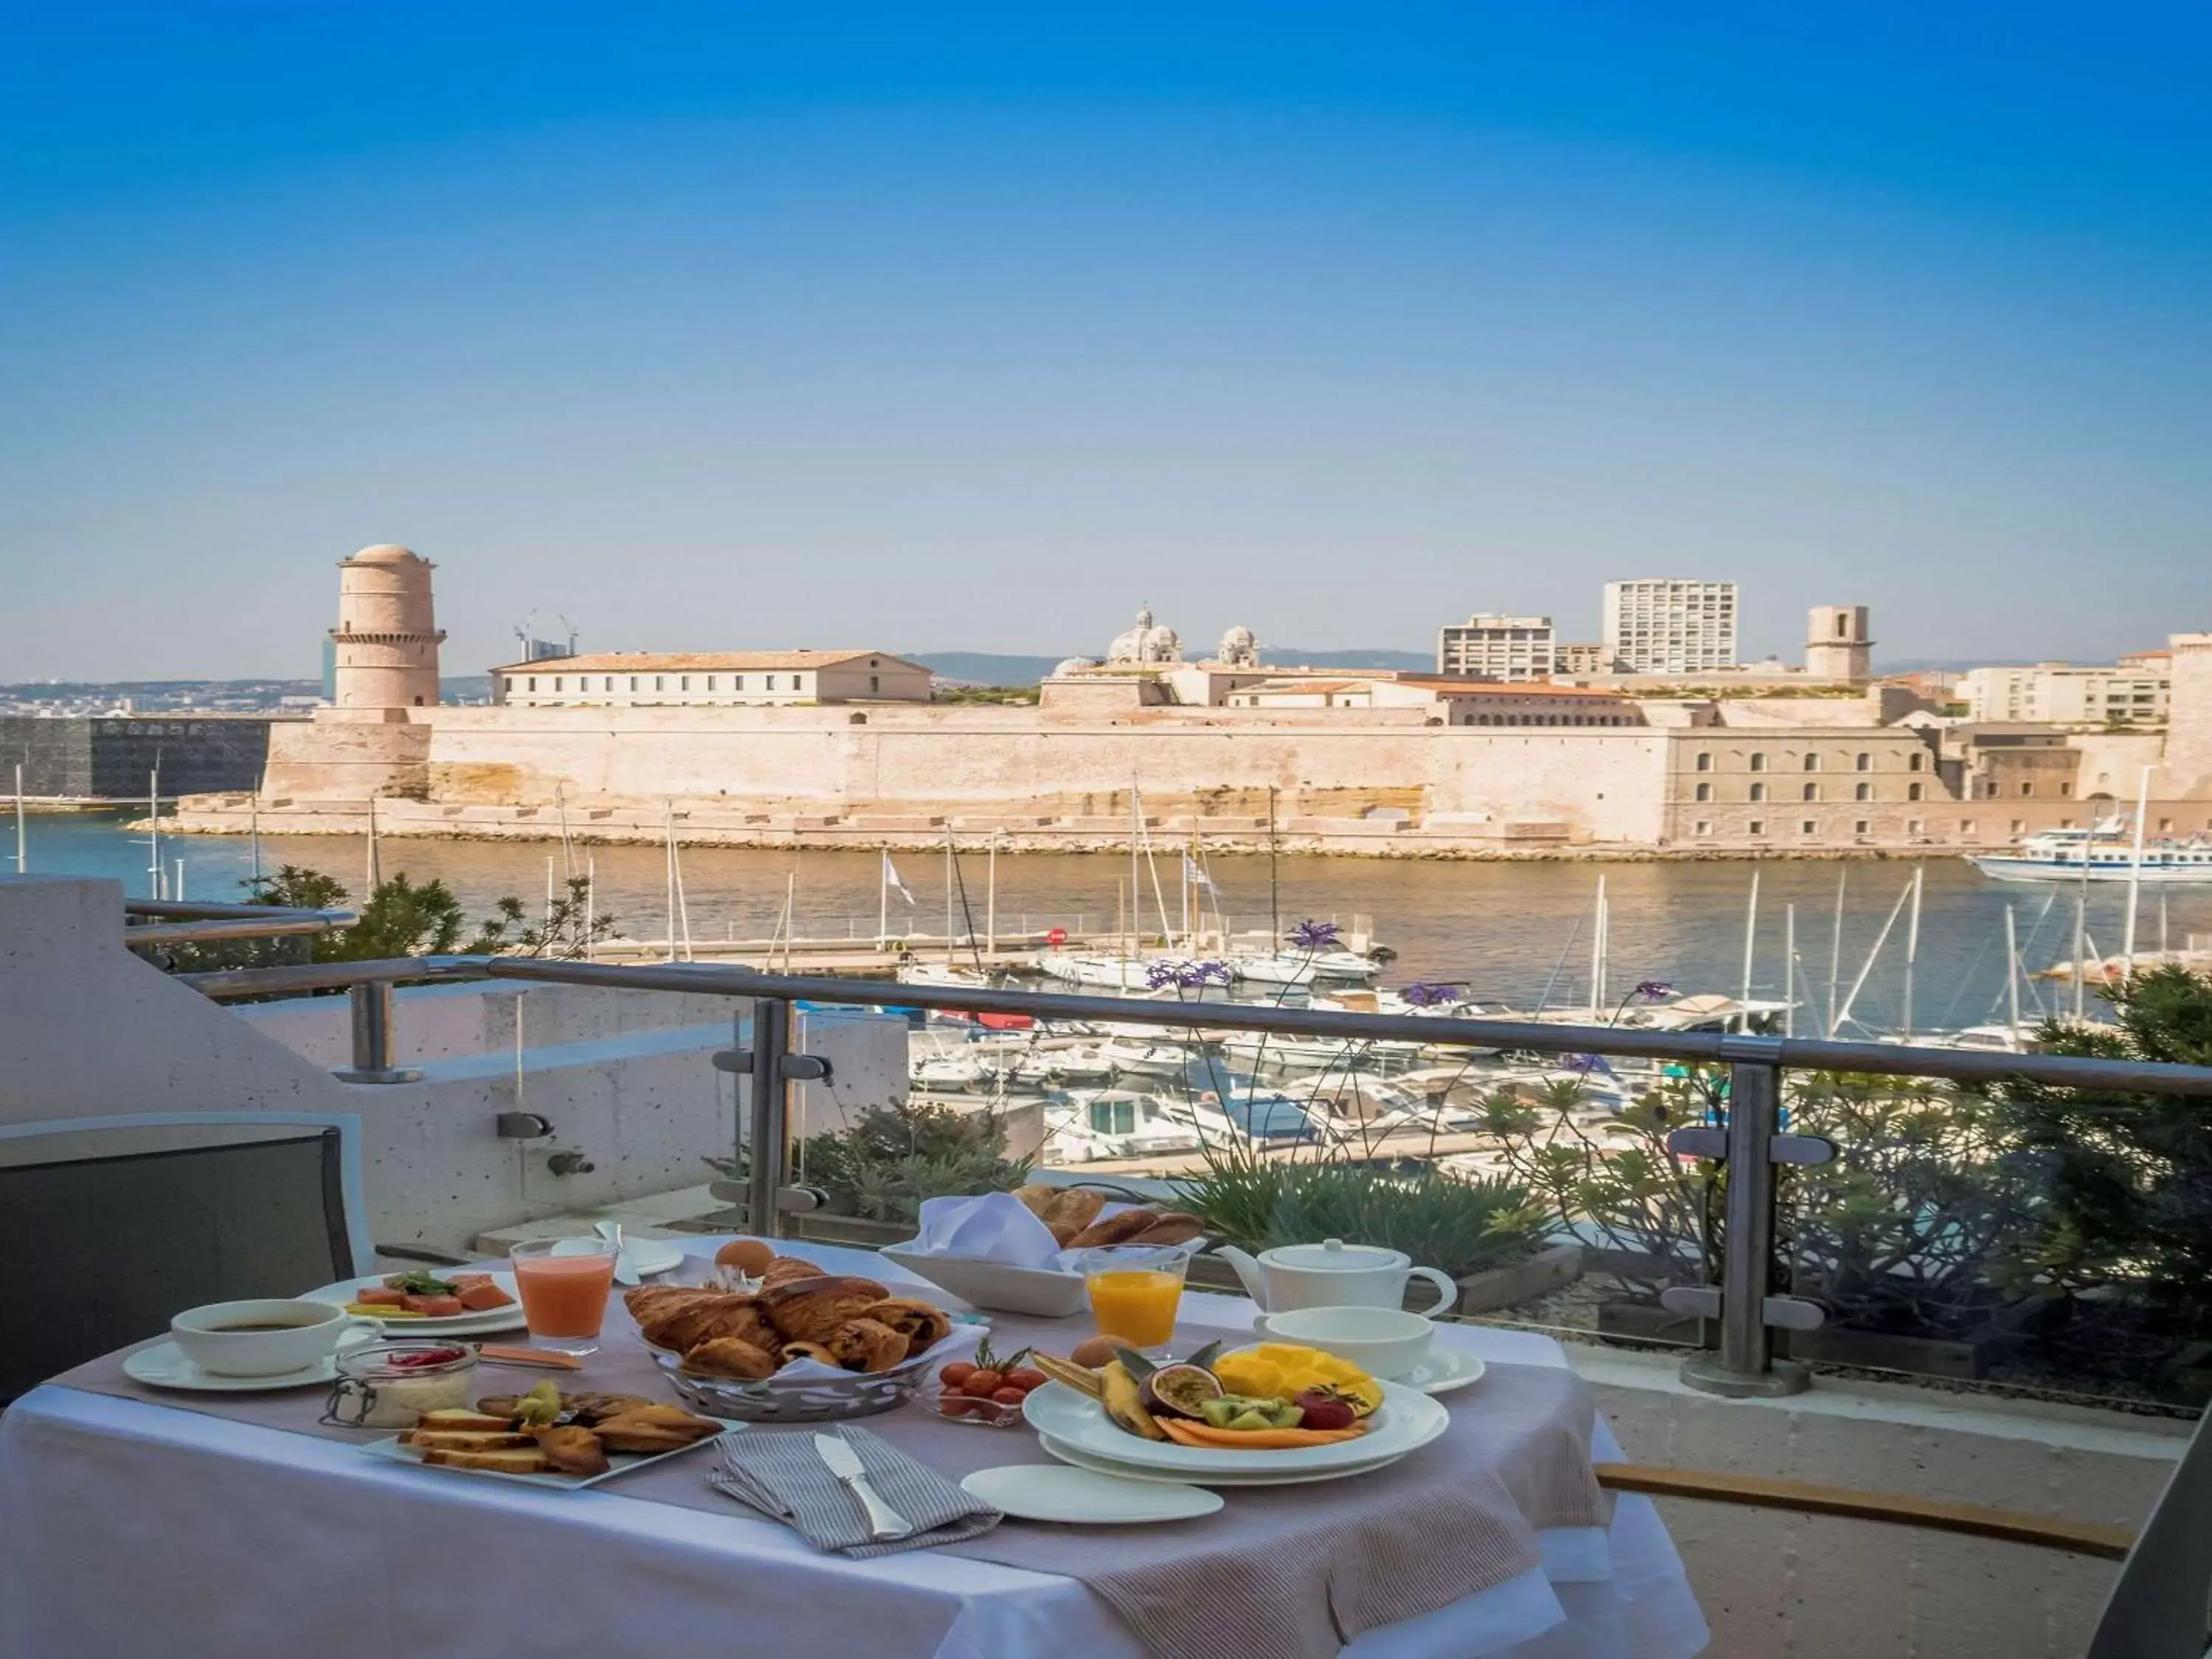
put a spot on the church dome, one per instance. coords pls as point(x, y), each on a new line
point(1145, 642)
point(1071, 665)
point(1239, 647)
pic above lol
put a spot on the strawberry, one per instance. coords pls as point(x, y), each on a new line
point(1325, 1408)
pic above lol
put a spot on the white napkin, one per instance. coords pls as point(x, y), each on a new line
point(999, 1227)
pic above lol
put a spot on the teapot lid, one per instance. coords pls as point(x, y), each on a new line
point(1333, 1254)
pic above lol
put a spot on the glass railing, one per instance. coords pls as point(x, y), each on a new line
point(2026, 1220)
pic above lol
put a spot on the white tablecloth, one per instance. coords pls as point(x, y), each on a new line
point(127, 1528)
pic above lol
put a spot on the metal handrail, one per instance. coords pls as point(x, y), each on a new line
point(191, 923)
point(1741, 1306)
point(194, 910)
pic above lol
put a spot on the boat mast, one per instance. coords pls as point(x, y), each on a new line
point(1597, 953)
point(991, 897)
point(374, 869)
point(1136, 907)
point(254, 829)
point(668, 859)
point(22, 845)
point(1790, 970)
point(2012, 976)
point(1836, 948)
point(2134, 873)
point(1879, 939)
point(948, 893)
point(1913, 947)
point(2081, 921)
point(1750, 933)
point(154, 831)
point(1274, 899)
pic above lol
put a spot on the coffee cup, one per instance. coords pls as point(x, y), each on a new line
point(1381, 1341)
point(269, 1337)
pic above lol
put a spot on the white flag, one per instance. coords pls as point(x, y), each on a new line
point(892, 879)
point(1192, 873)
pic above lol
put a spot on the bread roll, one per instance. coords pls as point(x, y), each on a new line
point(1069, 1211)
point(813, 1351)
point(1117, 1229)
point(730, 1355)
point(923, 1324)
point(1172, 1227)
point(866, 1344)
point(808, 1310)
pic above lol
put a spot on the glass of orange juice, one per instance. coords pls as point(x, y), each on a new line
point(563, 1283)
point(1135, 1289)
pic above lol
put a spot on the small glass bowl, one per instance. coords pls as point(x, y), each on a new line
point(934, 1395)
point(390, 1385)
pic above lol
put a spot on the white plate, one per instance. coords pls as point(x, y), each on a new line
point(646, 1256)
point(1445, 1370)
point(164, 1366)
point(620, 1462)
point(1068, 1453)
point(1082, 1497)
point(1406, 1419)
point(508, 1318)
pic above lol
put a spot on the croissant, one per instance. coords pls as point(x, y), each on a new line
point(813, 1351)
point(1065, 1210)
point(730, 1355)
point(923, 1325)
point(1119, 1228)
point(808, 1310)
point(785, 1269)
point(863, 1345)
point(647, 1299)
point(684, 1326)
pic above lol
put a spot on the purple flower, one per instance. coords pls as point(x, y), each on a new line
point(1315, 935)
point(1158, 976)
point(1655, 990)
point(1185, 976)
point(1421, 995)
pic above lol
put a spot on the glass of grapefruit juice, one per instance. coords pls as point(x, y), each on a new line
point(563, 1283)
point(1135, 1289)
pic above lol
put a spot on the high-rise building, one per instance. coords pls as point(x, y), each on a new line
point(2067, 694)
point(1670, 625)
point(1498, 647)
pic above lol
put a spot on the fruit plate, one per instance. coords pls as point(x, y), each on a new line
point(1406, 1420)
point(508, 1318)
point(1068, 1453)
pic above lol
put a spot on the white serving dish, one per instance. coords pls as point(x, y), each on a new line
point(618, 1462)
point(1406, 1420)
point(1038, 1291)
point(1078, 1497)
point(166, 1365)
point(508, 1318)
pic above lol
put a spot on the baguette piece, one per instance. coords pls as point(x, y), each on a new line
point(1172, 1227)
point(522, 1461)
point(1122, 1227)
point(458, 1421)
point(465, 1441)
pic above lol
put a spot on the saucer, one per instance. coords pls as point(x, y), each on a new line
point(164, 1366)
point(1445, 1370)
point(1082, 1497)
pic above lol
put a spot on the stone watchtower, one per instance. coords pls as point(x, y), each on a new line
point(2189, 716)
point(1837, 646)
point(387, 637)
point(374, 737)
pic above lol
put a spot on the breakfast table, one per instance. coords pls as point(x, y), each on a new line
point(130, 1524)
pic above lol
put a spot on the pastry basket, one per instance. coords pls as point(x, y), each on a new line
point(804, 1392)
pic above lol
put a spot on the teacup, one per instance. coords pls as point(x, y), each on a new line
point(1381, 1341)
point(268, 1338)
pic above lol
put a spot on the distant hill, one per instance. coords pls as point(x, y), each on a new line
point(992, 668)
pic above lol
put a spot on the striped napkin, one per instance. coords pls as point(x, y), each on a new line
point(780, 1472)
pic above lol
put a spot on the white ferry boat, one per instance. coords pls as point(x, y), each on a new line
point(2063, 854)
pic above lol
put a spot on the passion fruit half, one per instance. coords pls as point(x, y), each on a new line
point(1180, 1390)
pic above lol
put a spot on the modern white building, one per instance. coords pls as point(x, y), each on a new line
point(628, 679)
point(1493, 647)
point(1670, 625)
point(2067, 694)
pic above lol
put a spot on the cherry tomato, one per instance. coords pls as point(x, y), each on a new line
point(981, 1383)
point(957, 1373)
point(955, 1405)
point(1026, 1379)
point(1010, 1396)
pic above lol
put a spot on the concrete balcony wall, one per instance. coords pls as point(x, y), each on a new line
point(1776, 1585)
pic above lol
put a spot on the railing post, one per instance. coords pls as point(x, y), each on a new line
point(372, 1038)
point(1745, 1366)
point(768, 1125)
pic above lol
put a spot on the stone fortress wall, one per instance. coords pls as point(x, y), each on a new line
point(1717, 776)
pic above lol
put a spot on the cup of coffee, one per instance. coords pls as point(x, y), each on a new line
point(268, 1338)
point(1381, 1341)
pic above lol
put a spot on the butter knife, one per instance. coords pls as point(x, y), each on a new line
point(884, 1521)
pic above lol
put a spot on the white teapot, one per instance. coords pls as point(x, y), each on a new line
point(1332, 1274)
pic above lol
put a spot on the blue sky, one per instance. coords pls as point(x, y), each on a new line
point(937, 327)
